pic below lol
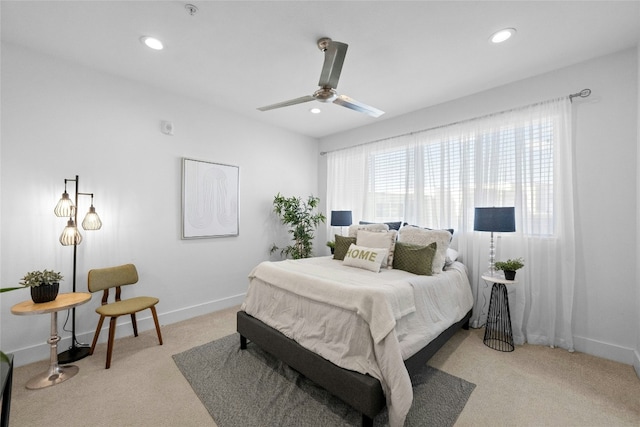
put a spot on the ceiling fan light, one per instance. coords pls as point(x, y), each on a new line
point(315, 111)
point(152, 43)
point(502, 35)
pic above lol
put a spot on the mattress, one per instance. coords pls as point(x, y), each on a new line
point(342, 313)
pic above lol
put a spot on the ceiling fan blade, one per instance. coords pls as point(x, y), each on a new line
point(287, 103)
point(351, 103)
point(333, 60)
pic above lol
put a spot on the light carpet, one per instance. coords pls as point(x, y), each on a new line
point(252, 388)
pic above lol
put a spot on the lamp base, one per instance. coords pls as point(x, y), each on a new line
point(73, 354)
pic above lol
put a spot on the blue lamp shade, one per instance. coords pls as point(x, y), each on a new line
point(341, 218)
point(495, 219)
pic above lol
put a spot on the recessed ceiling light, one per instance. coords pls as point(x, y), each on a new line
point(152, 43)
point(315, 111)
point(502, 35)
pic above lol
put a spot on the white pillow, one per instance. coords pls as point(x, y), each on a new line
point(379, 239)
point(366, 258)
point(353, 229)
point(452, 256)
point(424, 237)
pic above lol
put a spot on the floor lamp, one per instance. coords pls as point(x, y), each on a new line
point(498, 220)
point(341, 219)
point(71, 237)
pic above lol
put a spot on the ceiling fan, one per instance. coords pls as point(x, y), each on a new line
point(334, 53)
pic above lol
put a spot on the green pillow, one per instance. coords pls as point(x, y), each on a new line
point(342, 246)
point(414, 258)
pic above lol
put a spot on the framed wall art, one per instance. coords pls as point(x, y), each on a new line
point(210, 198)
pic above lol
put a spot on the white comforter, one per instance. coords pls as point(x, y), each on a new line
point(360, 320)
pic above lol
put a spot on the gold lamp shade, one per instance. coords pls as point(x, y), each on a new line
point(70, 235)
point(65, 206)
point(91, 220)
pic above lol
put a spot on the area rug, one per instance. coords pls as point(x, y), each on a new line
point(250, 388)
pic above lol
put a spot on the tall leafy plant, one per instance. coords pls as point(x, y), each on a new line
point(302, 220)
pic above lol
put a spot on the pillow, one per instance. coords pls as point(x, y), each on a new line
point(452, 256)
point(353, 229)
point(424, 237)
point(366, 258)
point(415, 259)
point(342, 246)
point(380, 239)
point(392, 225)
point(450, 230)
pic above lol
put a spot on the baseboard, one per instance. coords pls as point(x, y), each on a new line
point(39, 352)
point(636, 362)
point(606, 350)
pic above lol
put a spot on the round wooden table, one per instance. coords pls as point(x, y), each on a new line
point(55, 374)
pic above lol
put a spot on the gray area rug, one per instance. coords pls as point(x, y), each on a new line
point(250, 388)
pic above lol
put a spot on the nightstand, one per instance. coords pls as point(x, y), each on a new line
point(498, 334)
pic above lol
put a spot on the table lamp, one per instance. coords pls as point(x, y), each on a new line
point(498, 220)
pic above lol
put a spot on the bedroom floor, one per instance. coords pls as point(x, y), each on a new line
point(531, 386)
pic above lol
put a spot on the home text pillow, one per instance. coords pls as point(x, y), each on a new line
point(353, 229)
point(424, 237)
point(366, 258)
point(380, 239)
point(342, 246)
point(415, 259)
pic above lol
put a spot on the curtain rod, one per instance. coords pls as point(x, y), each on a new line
point(582, 94)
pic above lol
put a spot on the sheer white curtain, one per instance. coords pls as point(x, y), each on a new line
point(435, 178)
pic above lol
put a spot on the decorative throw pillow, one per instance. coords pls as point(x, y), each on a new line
point(424, 237)
point(366, 258)
point(450, 230)
point(342, 246)
point(380, 239)
point(415, 259)
point(452, 256)
point(353, 229)
point(395, 225)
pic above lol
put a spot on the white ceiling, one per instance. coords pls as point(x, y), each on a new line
point(402, 56)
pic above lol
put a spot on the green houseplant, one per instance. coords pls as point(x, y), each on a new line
point(332, 245)
point(37, 279)
point(509, 267)
point(44, 284)
point(302, 220)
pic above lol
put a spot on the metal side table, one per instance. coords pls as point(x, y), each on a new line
point(498, 334)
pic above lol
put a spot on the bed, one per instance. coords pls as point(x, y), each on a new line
point(357, 333)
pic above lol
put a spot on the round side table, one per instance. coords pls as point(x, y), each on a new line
point(55, 374)
point(498, 334)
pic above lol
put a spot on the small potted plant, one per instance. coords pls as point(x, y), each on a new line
point(44, 285)
point(332, 245)
point(509, 267)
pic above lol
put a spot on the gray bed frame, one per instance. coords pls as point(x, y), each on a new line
point(360, 391)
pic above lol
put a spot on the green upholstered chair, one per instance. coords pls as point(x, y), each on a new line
point(103, 279)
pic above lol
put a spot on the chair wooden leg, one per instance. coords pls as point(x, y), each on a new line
point(135, 324)
point(155, 320)
point(96, 335)
point(112, 334)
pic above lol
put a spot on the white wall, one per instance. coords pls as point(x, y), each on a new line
point(605, 132)
point(59, 120)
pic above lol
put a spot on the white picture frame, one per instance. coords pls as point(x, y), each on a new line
point(210, 199)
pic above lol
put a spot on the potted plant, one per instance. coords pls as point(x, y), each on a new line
point(509, 267)
point(44, 285)
point(300, 216)
point(332, 245)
